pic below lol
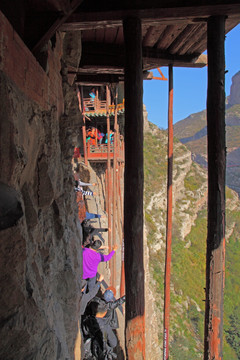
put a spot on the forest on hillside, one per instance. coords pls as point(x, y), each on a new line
point(188, 248)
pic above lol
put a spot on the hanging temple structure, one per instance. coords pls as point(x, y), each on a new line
point(52, 53)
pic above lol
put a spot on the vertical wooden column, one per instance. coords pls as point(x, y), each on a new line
point(169, 221)
point(215, 258)
point(114, 202)
point(109, 182)
point(133, 191)
point(80, 99)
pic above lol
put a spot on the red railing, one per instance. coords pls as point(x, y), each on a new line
point(100, 151)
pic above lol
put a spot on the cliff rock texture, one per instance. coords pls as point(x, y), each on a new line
point(40, 236)
point(189, 233)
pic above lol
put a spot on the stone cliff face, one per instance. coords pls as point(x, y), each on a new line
point(40, 251)
point(189, 233)
point(234, 97)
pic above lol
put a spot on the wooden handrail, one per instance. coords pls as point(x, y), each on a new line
point(95, 105)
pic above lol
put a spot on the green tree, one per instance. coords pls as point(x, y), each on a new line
point(233, 331)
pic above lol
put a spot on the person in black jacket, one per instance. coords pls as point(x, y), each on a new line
point(104, 310)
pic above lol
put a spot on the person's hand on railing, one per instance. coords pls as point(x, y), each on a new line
point(115, 247)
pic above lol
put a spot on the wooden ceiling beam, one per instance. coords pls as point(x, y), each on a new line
point(195, 35)
point(56, 26)
point(104, 55)
point(84, 20)
point(103, 79)
point(96, 79)
point(169, 35)
point(152, 35)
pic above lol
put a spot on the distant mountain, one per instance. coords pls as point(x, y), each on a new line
point(192, 132)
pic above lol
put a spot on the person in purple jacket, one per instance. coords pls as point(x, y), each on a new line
point(91, 259)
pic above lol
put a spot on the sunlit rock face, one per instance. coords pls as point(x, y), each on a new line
point(40, 235)
point(234, 97)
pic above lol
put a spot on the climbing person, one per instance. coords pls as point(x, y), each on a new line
point(91, 259)
point(89, 231)
point(90, 216)
point(104, 311)
point(87, 296)
point(85, 299)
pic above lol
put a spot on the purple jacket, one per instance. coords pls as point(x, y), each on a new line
point(91, 259)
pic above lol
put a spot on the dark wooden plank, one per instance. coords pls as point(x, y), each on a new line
point(192, 37)
point(133, 193)
point(197, 62)
point(169, 35)
point(153, 34)
point(201, 43)
point(119, 37)
point(95, 79)
point(113, 55)
point(55, 26)
point(100, 34)
point(149, 13)
point(89, 35)
point(215, 257)
point(144, 29)
point(179, 41)
point(110, 35)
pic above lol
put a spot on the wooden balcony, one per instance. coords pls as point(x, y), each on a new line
point(100, 152)
point(96, 107)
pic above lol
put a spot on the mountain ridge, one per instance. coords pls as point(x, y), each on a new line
point(192, 131)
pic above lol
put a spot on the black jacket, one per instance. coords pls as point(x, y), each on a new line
point(111, 317)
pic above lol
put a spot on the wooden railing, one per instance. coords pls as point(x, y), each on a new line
point(100, 151)
point(98, 107)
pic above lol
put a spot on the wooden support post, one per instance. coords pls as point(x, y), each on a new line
point(80, 100)
point(109, 182)
point(120, 227)
point(169, 221)
point(133, 191)
point(114, 186)
point(84, 140)
point(215, 258)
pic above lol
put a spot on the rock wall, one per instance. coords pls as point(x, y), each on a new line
point(40, 236)
point(234, 97)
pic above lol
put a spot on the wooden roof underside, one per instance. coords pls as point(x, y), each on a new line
point(173, 32)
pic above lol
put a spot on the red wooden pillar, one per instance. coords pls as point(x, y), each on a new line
point(215, 258)
point(133, 191)
point(109, 182)
point(169, 222)
point(80, 102)
point(114, 202)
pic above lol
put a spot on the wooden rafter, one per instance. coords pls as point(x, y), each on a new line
point(98, 54)
point(150, 12)
point(56, 26)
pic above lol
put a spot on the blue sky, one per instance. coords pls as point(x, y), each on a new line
point(190, 86)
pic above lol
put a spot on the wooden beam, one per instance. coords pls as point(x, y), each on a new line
point(152, 35)
point(98, 54)
point(149, 11)
point(98, 79)
point(215, 257)
point(169, 35)
point(133, 191)
point(55, 26)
